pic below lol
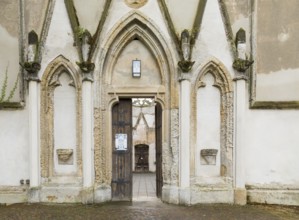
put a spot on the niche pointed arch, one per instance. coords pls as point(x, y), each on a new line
point(222, 78)
point(222, 81)
point(136, 26)
point(56, 67)
point(59, 73)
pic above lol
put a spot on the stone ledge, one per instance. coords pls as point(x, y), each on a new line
point(211, 196)
point(13, 194)
point(64, 194)
point(273, 196)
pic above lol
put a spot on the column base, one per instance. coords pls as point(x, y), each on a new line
point(240, 196)
point(170, 194)
point(34, 195)
point(87, 195)
point(102, 194)
point(185, 196)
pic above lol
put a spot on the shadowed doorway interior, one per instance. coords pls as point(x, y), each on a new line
point(137, 172)
point(145, 143)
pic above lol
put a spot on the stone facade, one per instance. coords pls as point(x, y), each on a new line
point(223, 71)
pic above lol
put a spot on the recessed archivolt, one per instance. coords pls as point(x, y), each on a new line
point(133, 26)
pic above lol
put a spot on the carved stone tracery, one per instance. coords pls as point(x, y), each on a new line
point(223, 81)
point(133, 26)
point(50, 81)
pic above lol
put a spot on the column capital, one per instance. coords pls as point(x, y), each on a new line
point(186, 65)
point(242, 65)
point(32, 69)
point(87, 70)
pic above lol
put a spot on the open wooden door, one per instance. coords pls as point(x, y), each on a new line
point(121, 185)
point(159, 176)
point(141, 158)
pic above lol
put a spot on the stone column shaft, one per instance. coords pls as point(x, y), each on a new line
point(240, 114)
point(87, 139)
point(34, 134)
point(240, 128)
point(185, 134)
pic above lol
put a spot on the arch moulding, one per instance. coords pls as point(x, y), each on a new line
point(223, 82)
point(132, 26)
point(50, 80)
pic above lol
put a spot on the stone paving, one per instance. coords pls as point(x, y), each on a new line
point(144, 186)
point(146, 210)
point(146, 206)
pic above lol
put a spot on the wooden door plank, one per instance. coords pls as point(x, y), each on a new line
point(159, 176)
point(121, 184)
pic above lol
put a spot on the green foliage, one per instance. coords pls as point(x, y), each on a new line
point(4, 88)
point(80, 32)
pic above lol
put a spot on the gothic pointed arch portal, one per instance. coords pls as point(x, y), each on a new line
point(135, 37)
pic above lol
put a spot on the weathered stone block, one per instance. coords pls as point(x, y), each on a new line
point(185, 196)
point(170, 194)
point(102, 194)
point(87, 195)
point(60, 194)
point(34, 195)
point(240, 196)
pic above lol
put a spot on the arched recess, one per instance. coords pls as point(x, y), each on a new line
point(133, 26)
point(141, 158)
point(136, 26)
point(214, 75)
point(61, 153)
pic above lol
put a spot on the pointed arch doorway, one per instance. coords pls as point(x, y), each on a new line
point(134, 37)
point(122, 150)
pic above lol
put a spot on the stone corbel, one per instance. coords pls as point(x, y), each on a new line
point(186, 64)
point(31, 65)
point(241, 63)
point(85, 65)
point(87, 70)
point(32, 69)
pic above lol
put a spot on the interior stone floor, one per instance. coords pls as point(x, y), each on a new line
point(144, 186)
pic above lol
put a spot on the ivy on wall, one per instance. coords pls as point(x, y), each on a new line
point(6, 96)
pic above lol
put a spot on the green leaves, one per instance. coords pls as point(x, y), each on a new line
point(4, 88)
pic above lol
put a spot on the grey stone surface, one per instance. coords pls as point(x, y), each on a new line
point(147, 210)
